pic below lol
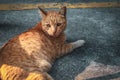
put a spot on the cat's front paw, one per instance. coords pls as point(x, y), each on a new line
point(78, 43)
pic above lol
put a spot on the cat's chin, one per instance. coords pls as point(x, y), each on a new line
point(54, 36)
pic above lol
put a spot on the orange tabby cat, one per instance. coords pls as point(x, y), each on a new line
point(29, 56)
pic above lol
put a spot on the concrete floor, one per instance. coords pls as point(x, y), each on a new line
point(99, 27)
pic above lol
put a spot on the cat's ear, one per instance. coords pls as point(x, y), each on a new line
point(63, 11)
point(42, 12)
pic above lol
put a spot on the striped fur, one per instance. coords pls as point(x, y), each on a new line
point(29, 56)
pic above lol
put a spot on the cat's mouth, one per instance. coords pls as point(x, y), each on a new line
point(55, 36)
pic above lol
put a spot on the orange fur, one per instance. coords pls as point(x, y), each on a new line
point(29, 56)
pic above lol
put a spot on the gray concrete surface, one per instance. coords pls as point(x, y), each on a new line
point(99, 27)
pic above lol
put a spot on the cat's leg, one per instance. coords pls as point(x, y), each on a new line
point(77, 44)
point(9, 72)
point(39, 76)
point(66, 48)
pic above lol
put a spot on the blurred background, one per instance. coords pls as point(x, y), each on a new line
point(95, 21)
point(54, 1)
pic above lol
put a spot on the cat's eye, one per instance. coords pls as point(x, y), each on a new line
point(59, 24)
point(48, 25)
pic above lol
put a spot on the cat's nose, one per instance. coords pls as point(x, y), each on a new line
point(54, 31)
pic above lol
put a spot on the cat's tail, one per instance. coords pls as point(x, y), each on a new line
point(27, 76)
point(39, 76)
point(16, 73)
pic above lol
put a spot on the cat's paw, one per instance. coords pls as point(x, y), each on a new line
point(78, 43)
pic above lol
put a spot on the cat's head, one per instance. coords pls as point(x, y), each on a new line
point(53, 22)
